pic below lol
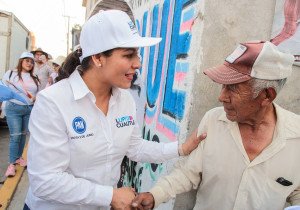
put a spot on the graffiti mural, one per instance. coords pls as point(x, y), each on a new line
point(286, 27)
point(164, 71)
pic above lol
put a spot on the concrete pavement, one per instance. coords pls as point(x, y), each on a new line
point(13, 190)
point(17, 202)
point(4, 140)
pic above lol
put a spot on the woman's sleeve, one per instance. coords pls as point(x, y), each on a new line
point(49, 157)
point(141, 150)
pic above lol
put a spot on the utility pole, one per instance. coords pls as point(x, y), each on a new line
point(68, 33)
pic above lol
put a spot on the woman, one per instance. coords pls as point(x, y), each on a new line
point(83, 126)
point(56, 64)
point(22, 81)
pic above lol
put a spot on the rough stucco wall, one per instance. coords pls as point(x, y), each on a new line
point(226, 23)
point(289, 97)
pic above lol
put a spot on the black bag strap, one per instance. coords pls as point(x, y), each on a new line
point(10, 75)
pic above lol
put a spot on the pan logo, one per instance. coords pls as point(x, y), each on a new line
point(79, 125)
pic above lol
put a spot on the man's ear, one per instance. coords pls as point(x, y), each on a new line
point(270, 95)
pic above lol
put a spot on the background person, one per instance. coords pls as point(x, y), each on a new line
point(17, 112)
point(42, 69)
point(57, 64)
point(250, 157)
point(83, 126)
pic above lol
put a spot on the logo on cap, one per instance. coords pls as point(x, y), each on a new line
point(238, 52)
point(132, 26)
point(79, 125)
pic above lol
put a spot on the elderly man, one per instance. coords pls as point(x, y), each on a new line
point(250, 158)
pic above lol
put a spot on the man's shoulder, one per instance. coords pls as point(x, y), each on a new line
point(291, 121)
point(216, 112)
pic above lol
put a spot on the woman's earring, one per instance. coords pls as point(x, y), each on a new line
point(99, 65)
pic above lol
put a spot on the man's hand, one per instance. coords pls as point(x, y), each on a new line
point(50, 80)
point(43, 59)
point(122, 198)
point(144, 201)
point(192, 142)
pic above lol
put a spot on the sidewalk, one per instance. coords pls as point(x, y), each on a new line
point(17, 202)
point(12, 190)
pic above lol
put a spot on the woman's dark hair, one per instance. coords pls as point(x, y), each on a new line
point(19, 68)
point(72, 61)
point(133, 86)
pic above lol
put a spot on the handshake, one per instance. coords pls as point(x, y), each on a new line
point(126, 198)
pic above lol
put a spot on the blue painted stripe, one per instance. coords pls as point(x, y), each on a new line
point(169, 124)
point(151, 113)
point(182, 67)
point(188, 15)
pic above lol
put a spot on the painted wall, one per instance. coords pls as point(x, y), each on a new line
point(197, 34)
point(168, 74)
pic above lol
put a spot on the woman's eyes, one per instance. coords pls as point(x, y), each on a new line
point(129, 55)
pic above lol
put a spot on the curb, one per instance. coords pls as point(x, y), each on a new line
point(10, 185)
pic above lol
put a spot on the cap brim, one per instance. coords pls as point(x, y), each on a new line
point(33, 52)
point(225, 75)
point(135, 43)
point(27, 57)
point(141, 42)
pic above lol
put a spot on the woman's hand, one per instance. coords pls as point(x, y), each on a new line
point(191, 143)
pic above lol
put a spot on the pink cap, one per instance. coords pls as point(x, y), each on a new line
point(260, 60)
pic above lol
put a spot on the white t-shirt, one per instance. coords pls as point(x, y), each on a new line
point(21, 87)
point(43, 72)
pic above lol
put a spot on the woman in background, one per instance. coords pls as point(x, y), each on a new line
point(57, 65)
point(24, 83)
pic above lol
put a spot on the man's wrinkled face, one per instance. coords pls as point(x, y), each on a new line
point(238, 101)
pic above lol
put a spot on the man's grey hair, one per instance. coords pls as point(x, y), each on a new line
point(260, 84)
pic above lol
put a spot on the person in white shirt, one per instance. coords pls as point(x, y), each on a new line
point(57, 64)
point(42, 69)
point(25, 84)
point(250, 158)
point(83, 126)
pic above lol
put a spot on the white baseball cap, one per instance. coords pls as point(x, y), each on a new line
point(27, 55)
point(259, 59)
point(59, 60)
point(111, 29)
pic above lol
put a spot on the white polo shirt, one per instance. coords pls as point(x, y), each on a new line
point(75, 151)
